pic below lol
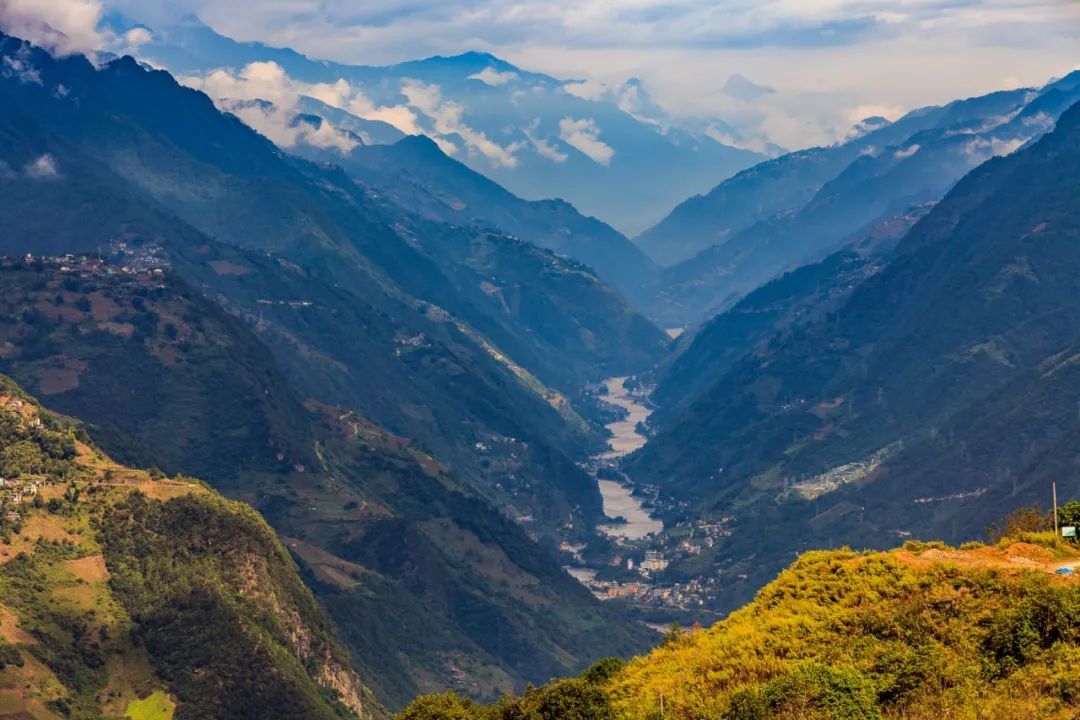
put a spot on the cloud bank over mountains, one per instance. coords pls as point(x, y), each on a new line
point(779, 70)
point(622, 107)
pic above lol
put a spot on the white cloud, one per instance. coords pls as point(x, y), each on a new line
point(909, 53)
point(286, 130)
point(584, 135)
point(904, 153)
point(586, 89)
point(61, 26)
point(324, 135)
point(136, 37)
point(19, 66)
point(1039, 122)
point(448, 118)
point(494, 78)
point(400, 116)
point(237, 92)
point(982, 149)
point(542, 147)
point(269, 81)
point(44, 168)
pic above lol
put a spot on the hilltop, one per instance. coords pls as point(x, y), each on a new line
point(128, 594)
point(923, 631)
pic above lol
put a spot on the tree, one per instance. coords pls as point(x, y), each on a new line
point(1069, 513)
point(443, 706)
point(603, 670)
point(1020, 520)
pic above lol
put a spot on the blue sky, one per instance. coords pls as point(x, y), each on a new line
point(830, 62)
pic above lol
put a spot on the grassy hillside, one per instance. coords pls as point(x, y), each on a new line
point(925, 631)
point(126, 595)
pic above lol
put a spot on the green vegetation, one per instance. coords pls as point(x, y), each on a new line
point(122, 595)
point(928, 398)
point(492, 611)
point(204, 399)
point(571, 699)
point(157, 706)
point(919, 633)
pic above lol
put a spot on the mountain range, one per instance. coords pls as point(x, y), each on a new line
point(372, 368)
point(297, 315)
point(914, 396)
point(539, 136)
point(798, 208)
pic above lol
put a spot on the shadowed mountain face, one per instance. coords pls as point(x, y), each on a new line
point(798, 208)
point(528, 131)
point(289, 281)
point(445, 346)
point(938, 391)
point(417, 175)
point(164, 378)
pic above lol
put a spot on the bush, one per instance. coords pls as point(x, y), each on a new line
point(1069, 514)
point(821, 692)
point(1021, 520)
point(918, 546)
point(603, 670)
point(443, 706)
point(9, 655)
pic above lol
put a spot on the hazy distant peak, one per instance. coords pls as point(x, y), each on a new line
point(867, 126)
point(742, 88)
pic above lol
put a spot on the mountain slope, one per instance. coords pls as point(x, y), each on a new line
point(776, 309)
point(883, 173)
point(363, 511)
point(921, 632)
point(939, 391)
point(129, 135)
point(122, 593)
point(417, 175)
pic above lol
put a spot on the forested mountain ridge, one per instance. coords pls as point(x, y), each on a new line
point(938, 391)
point(704, 354)
point(353, 307)
point(124, 592)
point(165, 378)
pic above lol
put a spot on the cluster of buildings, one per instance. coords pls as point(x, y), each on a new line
point(121, 258)
point(691, 595)
point(17, 491)
point(636, 567)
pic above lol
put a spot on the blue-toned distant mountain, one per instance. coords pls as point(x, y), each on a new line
point(416, 174)
point(526, 130)
point(797, 208)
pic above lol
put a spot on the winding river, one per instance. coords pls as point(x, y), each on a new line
point(618, 500)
